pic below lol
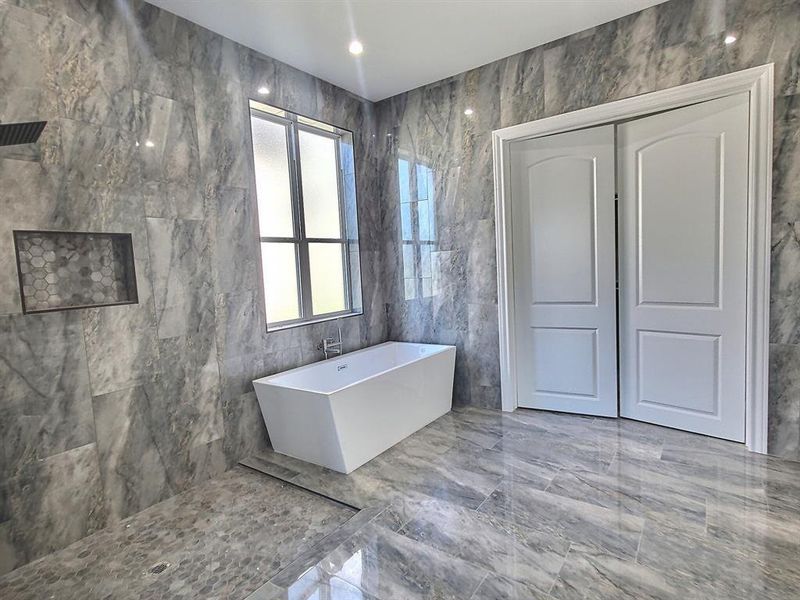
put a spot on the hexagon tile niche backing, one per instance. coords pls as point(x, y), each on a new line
point(59, 270)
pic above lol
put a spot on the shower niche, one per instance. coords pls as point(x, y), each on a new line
point(61, 270)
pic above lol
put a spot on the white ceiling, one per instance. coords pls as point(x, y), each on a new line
point(407, 43)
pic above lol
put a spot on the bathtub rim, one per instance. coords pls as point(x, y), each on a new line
point(440, 348)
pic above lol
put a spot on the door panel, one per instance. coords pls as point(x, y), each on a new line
point(555, 349)
point(562, 230)
point(683, 252)
point(562, 208)
point(677, 176)
point(695, 357)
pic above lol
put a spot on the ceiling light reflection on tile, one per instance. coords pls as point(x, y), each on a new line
point(356, 48)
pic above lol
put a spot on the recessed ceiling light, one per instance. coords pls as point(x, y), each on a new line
point(356, 47)
point(149, 144)
point(469, 112)
point(729, 39)
point(263, 90)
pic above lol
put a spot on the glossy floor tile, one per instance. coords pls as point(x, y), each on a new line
point(530, 505)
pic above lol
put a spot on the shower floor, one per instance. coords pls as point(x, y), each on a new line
point(221, 539)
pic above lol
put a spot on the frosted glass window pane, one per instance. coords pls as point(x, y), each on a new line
point(272, 178)
point(320, 185)
point(279, 261)
point(327, 278)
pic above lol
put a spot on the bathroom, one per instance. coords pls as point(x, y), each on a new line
point(179, 419)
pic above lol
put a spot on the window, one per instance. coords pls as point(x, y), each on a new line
point(305, 187)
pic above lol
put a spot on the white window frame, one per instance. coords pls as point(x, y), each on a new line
point(293, 124)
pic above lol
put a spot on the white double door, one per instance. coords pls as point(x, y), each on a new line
point(629, 247)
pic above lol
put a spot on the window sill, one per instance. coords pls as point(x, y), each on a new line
point(272, 328)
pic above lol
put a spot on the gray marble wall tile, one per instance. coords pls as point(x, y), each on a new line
point(222, 123)
point(90, 65)
point(784, 408)
point(241, 325)
point(245, 432)
point(766, 32)
point(51, 503)
point(29, 91)
point(158, 45)
point(212, 53)
point(238, 250)
point(786, 160)
point(181, 257)
point(614, 61)
point(44, 386)
point(129, 335)
point(522, 88)
point(190, 388)
point(785, 283)
point(166, 138)
point(132, 466)
point(682, 21)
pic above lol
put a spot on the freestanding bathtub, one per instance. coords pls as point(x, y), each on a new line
point(342, 412)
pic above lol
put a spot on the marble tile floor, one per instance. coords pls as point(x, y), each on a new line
point(530, 505)
point(478, 505)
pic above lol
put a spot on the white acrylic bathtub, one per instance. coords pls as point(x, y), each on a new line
point(342, 412)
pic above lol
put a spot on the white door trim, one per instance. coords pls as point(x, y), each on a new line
point(758, 81)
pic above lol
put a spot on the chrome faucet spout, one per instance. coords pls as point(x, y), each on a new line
point(331, 346)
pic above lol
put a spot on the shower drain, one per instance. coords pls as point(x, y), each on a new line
point(159, 568)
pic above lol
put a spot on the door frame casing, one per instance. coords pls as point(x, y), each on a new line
point(758, 81)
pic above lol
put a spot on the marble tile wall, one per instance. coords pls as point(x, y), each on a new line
point(673, 43)
point(106, 411)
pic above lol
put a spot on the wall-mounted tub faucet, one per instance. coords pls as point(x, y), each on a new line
point(331, 346)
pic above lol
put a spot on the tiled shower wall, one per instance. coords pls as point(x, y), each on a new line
point(106, 411)
point(670, 44)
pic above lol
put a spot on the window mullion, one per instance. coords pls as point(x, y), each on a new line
point(343, 231)
point(304, 277)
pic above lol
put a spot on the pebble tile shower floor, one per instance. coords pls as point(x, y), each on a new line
point(478, 505)
point(221, 539)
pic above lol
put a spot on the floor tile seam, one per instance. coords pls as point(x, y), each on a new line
point(475, 591)
point(561, 568)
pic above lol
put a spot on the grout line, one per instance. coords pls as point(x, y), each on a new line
point(475, 591)
point(639, 542)
point(558, 575)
